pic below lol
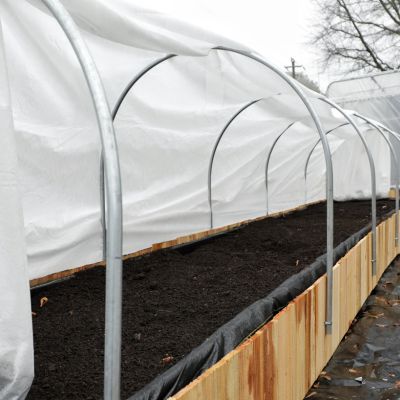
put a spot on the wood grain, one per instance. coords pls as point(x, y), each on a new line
point(164, 245)
point(283, 358)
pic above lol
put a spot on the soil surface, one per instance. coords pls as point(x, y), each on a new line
point(173, 299)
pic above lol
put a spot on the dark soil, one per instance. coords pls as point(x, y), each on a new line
point(173, 300)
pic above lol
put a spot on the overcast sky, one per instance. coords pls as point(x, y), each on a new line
point(278, 29)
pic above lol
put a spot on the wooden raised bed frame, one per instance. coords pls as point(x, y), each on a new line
point(164, 245)
point(282, 360)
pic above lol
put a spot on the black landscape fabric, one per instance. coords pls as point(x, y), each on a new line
point(366, 364)
point(230, 335)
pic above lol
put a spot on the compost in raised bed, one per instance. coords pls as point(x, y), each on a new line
point(174, 299)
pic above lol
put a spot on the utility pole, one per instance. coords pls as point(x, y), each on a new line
point(293, 67)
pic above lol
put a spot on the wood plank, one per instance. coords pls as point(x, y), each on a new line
point(319, 290)
point(302, 359)
point(358, 278)
point(310, 336)
point(364, 285)
point(167, 244)
point(335, 336)
point(392, 193)
point(283, 359)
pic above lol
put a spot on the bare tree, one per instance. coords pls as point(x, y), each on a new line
point(360, 35)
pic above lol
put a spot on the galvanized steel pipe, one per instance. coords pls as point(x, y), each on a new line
point(329, 171)
point(373, 177)
point(112, 352)
point(396, 161)
point(271, 150)
point(214, 150)
point(310, 154)
point(116, 108)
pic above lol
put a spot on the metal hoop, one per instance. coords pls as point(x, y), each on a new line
point(396, 161)
point(214, 150)
point(373, 176)
point(310, 154)
point(273, 147)
point(269, 158)
point(329, 174)
point(112, 352)
point(397, 136)
point(115, 110)
point(328, 160)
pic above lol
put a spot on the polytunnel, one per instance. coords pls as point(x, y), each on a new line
point(375, 95)
point(129, 128)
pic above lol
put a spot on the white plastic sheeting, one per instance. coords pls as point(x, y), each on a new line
point(376, 96)
point(16, 355)
point(166, 130)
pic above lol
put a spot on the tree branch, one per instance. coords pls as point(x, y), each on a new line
point(359, 33)
point(342, 4)
point(385, 7)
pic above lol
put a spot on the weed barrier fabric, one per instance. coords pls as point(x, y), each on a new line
point(234, 332)
point(366, 364)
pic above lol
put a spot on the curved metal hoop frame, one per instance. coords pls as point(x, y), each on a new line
point(373, 175)
point(112, 352)
point(312, 151)
point(397, 137)
point(214, 150)
point(275, 142)
point(273, 148)
point(217, 142)
point(396, 161)
point(130, 85)
point(328, 161)
point(392, 151)
point(115, 110)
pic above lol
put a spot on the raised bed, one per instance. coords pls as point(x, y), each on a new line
point(283, 358)
point(175, 299)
